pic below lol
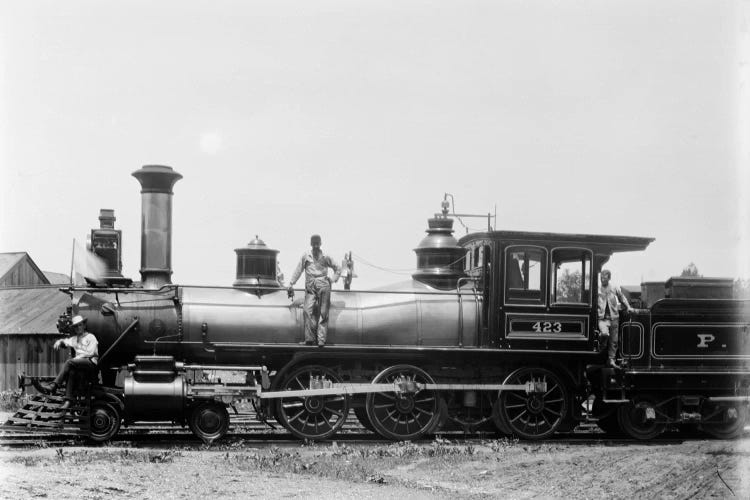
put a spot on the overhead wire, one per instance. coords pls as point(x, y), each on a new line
point(401, 272)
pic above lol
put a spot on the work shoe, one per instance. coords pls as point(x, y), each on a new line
point(49, 388)
point(307, 342)
point(321, 344)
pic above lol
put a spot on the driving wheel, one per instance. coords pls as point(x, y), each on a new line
point(312, 417)
point(406, 415)
point(535, 415)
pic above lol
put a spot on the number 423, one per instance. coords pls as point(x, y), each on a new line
point(547, 326)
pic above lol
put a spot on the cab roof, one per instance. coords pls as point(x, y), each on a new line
point(601, 244)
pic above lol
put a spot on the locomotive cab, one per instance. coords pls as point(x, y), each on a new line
point(540, 288)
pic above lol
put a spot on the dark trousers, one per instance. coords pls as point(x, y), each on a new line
point(317, 292)
point(71, 368)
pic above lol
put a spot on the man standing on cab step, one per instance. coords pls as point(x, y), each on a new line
point(315, 264)
point(610, 300)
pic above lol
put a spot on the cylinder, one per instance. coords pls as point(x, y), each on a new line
point(156, 224)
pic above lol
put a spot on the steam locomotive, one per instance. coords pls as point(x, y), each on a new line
point(489, 332)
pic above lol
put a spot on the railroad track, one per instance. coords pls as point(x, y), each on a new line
point(245, 429)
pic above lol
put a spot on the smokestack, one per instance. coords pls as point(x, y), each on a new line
point(156, 224)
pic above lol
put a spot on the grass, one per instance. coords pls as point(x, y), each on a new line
point(122, 457)
point(359, 464)
point(401, 464)
point(12, 400)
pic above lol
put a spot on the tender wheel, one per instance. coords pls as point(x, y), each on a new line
point(726, 421)
point(534, 415)
point(209, 421)
point(640, 418)
point(403, 416)
point(312, 417)
point(105, 421)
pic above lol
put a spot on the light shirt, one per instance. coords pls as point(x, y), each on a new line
point(611, 296)
point(86, 346)
point(314, 268)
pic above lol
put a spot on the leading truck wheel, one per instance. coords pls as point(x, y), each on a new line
point(535, 415)
point(209, 421)
point(105, 421)
point(403, 416)
point(312, 417)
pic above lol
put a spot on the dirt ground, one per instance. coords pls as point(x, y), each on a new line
point(668, 468)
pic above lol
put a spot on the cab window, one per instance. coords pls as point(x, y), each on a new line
point(524, 275)
point(571, 276)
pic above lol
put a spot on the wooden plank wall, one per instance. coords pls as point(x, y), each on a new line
point(31, 354)
point(23, 275)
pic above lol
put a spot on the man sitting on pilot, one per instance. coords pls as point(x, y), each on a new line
point(85, 361)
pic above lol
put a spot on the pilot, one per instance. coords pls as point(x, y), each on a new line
point(315, 264)
point(86, 358)
point(611, 300)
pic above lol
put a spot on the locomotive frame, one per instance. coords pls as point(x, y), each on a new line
point(488, 333)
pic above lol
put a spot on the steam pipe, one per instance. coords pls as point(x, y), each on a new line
point(156, 224)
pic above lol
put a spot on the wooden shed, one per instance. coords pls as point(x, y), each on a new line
point(28, 328)
point(17, 269)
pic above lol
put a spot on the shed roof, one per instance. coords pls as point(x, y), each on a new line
point(9, 260)
point(57, 278)
point(25, 310)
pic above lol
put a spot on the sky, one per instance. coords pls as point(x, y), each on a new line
point(353, 119)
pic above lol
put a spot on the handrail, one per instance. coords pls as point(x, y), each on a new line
point(461, 307)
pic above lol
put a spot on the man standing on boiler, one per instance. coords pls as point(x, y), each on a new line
point(315, 264)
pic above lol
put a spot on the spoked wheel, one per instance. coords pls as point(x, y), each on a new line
point(105, 421)
point(726, 421)
point(640, 418)
point(209, 421)
point(498, 420)
point(312, 417)
point(536, 415)
point(403, 416)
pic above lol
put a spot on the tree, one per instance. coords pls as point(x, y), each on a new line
point(742, 288)
point(691, 271)
point(569, 286)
